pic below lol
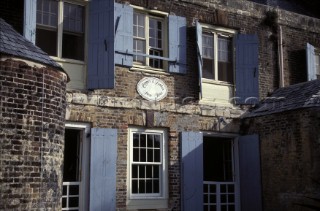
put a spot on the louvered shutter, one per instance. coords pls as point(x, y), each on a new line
point(30, 12)
point(311, 62)
point(103, 169)
point(250, 173)
point(177, 44)
point(123, 34)
point(247, 69)
point(101, 45)
point(192, 171)
point(199, 53)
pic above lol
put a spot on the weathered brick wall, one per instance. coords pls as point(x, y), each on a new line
point(12, 12)
point(32, 118)
point(290, 157)
point(123, 107)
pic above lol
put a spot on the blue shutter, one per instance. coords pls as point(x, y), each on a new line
point(250, 173)
point(103, 169)
point(30, 12)
point(311, 63)
point(247, 69)
point(177, 44)
point(123, 22)
point(101, 45)
point(192, 171)
point(199, 55)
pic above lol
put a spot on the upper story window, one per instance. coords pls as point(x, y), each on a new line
point(61, 29)
point(228, 65)
point(217, 57)
point(317, 63)
point(148, 39)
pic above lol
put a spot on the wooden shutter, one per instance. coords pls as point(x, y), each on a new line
point(247, 69)
point(101, 45)
point(30, 12)
point(311, 62)
point(250, 173)
point(199, 55)
point(177, 44)
point(103, 169)
point(123, 34)
point(192, 171)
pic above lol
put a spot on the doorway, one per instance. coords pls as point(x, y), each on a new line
point(76, 167)
point(220, 184)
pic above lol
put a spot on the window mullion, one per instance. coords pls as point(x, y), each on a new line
point(216, 56)
point(60, 28)
point(147, 38)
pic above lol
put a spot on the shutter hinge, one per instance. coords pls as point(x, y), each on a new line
point(105, 45)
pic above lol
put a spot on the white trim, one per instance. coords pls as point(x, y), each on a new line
point(85, 161)
point(148, 201)
point(165, 36)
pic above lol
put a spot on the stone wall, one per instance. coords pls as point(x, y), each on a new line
point(32, 118)
point(290, 158)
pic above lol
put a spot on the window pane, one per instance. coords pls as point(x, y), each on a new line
point(156, 186)
point(149, 186)
point(208, 68)
point(156, 172)
point(139, 47)
point(156, 141)
point(150, 155)
point(150, 140)
point(72, 16)
point(134, 171)
point(136, 154)
point(135, 140)
point(157, 155)
point(142, 172)
point(149, 171)
point(143, 155)
point(73, 46)
point(42, 38)
point(142, 186)
point(225, 61)
point(207, 46)
point(139, 25)
point(142, 140)
point(156, 63)
point(134, 186)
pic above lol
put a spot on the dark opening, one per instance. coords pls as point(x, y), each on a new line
point(217, 159)
point(73, 46)
point(71, 155)
point(47, 41)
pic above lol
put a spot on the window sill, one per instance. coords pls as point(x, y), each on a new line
point(217, 103)
point(71, 61)
point(222, 83)
point(135, 204)
point(149, 70)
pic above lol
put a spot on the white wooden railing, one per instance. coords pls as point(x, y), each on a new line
point(70, 196)
point(219, 196)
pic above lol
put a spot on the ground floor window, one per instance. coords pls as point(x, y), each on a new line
point(219, 186)
point(147, 164)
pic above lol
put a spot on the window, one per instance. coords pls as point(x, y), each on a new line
point(57, 36)
point(148, 38)
point(148, 168)
point(217, 56)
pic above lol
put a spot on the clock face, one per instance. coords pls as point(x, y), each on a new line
point(152, 89)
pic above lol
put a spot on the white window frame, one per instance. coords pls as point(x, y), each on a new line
point(215, 92)
point(59, 29)
point(148, 201)
point(163, 17)
point(216, 31)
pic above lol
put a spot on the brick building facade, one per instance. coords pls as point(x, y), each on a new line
point(109, 124)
